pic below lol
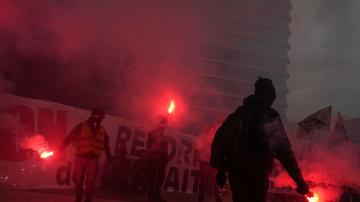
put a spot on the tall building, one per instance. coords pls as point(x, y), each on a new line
point(249, 38)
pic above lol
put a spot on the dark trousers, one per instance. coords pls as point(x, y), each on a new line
point(156, 177)
point(138, 182)
point(208, 185)
point(248, 187)
point(85, 169)
point(205, 186)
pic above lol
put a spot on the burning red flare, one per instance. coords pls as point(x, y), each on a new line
point(171, 107)
point(37, 143)
point(313, 197)
point(46, 154)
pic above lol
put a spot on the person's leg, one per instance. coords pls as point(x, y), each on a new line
point(78, 178)
point(151, 180)
point(160, 173)
point(205, 188)
point(142, 183)
point(259, 185)
point(216, 190)
point(217, 194)
point(134, 182)
point(91, 173)
point(234, 186)
point(201, 196)
point(248, 187)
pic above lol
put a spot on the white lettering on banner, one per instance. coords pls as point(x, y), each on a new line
point(63, 174)
point(182, 169)
point(22, 117)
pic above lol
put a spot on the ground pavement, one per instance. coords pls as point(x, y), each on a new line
point(52, 195)
point(66, 195)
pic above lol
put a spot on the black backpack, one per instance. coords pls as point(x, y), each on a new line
point(226, 141)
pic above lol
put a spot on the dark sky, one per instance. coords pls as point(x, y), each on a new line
point(324, 58)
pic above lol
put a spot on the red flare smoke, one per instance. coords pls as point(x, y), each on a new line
point(37, 143)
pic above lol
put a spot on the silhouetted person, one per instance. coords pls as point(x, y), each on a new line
point(107, 181)
point(260, 138)
point(116, 174)
point(207, 183)
point(157, 154)
point(90, 140)
point(122, 170)
point(139, 170)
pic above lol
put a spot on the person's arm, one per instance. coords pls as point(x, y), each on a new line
point(282, 149)
point(72, 135)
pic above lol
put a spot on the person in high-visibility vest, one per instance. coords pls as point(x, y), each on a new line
point(90, 140)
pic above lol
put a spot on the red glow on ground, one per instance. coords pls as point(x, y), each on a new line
point(326, 169)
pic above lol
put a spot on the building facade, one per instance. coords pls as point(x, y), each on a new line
point(249, 38)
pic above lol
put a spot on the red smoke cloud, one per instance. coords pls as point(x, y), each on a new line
point(327, 168)
point(116, 53)
point(37, 143)
point(203, 141)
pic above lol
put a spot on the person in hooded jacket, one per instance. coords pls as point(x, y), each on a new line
point(261, 139)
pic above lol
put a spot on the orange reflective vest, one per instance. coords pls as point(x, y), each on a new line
point(87, 142)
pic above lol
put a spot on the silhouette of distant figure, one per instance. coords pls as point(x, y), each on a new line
point(247, 152)
point(207, 183)
point(139, 170)
point(157, 154)
point(122, 170)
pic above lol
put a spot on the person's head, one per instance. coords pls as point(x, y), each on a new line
point(264, 88)
point(97, 114)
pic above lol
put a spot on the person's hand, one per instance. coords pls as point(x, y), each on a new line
point(303, 188)
point(221, 178)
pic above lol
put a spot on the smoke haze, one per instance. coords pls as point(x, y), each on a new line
point(35, 143)
point(328, 169)
point(324, 57)
point(126, 54)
